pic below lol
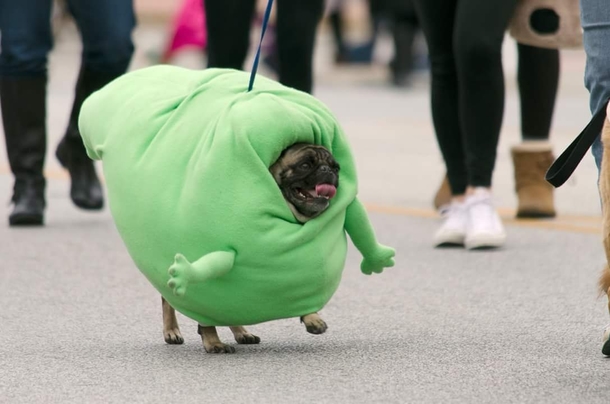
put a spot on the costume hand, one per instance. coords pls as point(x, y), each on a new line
point(382, 257)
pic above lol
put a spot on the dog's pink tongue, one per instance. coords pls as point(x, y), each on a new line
point(326, 190)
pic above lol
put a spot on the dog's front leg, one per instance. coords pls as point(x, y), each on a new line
point(211, 341)
point(242, 336)
point(171, 330)
point(314, 323)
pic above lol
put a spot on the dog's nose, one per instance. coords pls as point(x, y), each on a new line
point(324, 168)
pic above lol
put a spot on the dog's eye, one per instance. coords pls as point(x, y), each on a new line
point(305, 166)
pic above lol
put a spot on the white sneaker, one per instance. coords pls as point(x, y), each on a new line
point(453, 230)
point(484, 228)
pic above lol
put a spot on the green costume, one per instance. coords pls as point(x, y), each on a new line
point(186, 157)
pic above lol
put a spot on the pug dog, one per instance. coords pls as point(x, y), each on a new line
point(308, 177)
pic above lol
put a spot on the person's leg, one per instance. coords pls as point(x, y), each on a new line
point(377, 14)
point(106, 27)
point(335, 19)
point(362, 53)
point(404, 29)
point(297, 23)
point(269, 48)
point(538, 79)
point(595, 20)
point(25, 42)
point(436, 18)
point(479, 33)
point(228, 25)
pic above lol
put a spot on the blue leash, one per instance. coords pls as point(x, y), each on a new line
point(260, 44)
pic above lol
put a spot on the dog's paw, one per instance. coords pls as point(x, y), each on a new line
point(382, 258)
point(314, 324)
point(247, 338)
point(173, 336)
point(218, 347)
point(179, 275)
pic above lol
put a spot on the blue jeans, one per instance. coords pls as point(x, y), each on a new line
point(595, 19)
point(26, 38)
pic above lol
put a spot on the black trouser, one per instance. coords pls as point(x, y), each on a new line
point(465, 45)
point(538, 77)
point(404, 29)
point(228, 27)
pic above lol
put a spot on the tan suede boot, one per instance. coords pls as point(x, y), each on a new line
point(442, 199)
point(532, 160)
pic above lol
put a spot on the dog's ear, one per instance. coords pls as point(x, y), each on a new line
point(287, 158)
point(278, 169)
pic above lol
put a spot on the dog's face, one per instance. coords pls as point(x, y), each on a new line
point(308, 177)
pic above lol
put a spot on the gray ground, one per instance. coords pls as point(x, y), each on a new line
point(521, 325)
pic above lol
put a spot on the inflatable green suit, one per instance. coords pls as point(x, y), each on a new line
point(186, 157)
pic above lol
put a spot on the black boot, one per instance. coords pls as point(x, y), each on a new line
point(24, 113)
point(85, 190)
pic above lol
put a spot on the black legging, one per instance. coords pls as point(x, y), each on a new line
point(465, 45)
point(404, 29)
point(228, 27)
point(538, 77)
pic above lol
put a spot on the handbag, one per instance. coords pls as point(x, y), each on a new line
point(553, 24)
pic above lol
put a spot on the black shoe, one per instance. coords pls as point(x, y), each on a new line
point(29, 204)
point(399, 77)
point(85, 188)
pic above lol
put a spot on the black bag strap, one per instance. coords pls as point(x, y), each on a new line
point(564, 166)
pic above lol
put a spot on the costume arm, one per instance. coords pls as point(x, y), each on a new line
point(210, 266)
point(358, 226)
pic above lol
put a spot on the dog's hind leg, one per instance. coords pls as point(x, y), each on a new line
point(171, 330)
point(242, 336)
point(211, 341)
point(314, 323)
point(604, 286)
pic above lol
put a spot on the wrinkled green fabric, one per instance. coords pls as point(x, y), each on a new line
point(186, 157)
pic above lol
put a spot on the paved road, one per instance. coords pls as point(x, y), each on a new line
point(521, 325)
